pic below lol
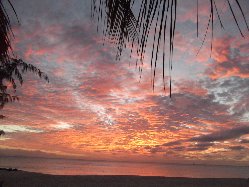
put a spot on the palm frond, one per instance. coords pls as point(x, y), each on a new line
point(154, 15)
point(12, 72)
point(5, 35)
point(120, 22)
point(2, 133)
point(122, 26)
point(213, 9)
point(11, 69)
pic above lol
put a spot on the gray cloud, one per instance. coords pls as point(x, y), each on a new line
point(244, 141)
point(156, 149)
point(204, 142)
point(178, 148)
point(185, 109)
point(178, 142)
point(234, 62)
point(222, 135)
point(237, 148)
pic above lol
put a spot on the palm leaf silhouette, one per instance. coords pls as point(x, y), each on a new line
point(13, 72)
point(121, 25)
point(2, 132)
point(159, 16)
point(5, 35)
point(11, 69)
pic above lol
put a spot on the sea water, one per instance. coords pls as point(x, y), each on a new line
point(82, 167)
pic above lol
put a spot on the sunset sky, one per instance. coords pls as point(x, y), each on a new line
point(97, 108)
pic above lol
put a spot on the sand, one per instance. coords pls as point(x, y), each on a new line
point(28, 179)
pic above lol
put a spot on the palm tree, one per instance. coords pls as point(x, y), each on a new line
point(2, 132)
point(122, 27)
point(11, 68)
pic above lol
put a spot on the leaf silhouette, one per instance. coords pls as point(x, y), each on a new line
point(159, 12)
point(2, 133)
point(121, 25)
point(11, 68)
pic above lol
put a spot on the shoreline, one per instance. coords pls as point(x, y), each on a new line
point(127, 161)
point(18, 178)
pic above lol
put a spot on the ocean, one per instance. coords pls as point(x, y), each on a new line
point(81, 167)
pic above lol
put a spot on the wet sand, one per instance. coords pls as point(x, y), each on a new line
point(28, 179)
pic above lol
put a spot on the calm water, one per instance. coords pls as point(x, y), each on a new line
point(79, 167)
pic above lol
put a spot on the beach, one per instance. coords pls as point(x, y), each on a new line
point(30, 179)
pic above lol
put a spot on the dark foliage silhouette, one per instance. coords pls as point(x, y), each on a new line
point(2, 132)
point(11, 68)
point(120, 21)
point(12, 71)
point(122, 27)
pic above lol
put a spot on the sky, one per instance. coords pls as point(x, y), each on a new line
point(96, 107)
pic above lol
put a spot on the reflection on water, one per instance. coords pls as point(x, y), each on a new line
point(79, 167)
